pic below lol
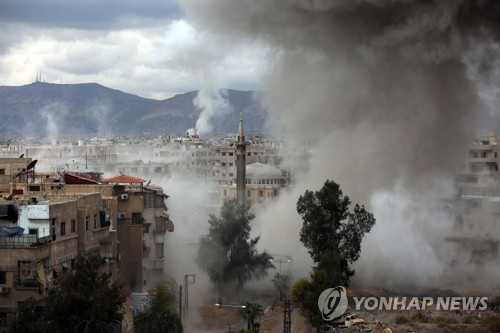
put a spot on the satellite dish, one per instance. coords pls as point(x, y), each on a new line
point(31, 165)
point(22, 155)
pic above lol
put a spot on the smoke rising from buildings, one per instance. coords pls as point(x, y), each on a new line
point(211, 102)
point(391, 91)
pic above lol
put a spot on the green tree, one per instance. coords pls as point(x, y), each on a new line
point(227, 252)
point(160, 314)
point(30, 317)
point(84, 300)
point(250, 313)
point(330, 229)
point(306, 292)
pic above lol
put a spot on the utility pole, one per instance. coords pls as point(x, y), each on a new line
point(180, 302)
point(186, 294)
point(280, 286)
point(287, 318)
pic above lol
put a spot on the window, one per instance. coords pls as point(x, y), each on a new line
point(275, 193)
point(158, 170)
point(33, 231)
point(96, 225)
point(223, 154)
point(3, 279)
point(87, 223)
point(25, 274)
point(225, 193)
point(261, 193)
point(136, 218)
point(223, 164)
point(248, 193)
point(73, 226)
point(53, 229)
point(62, 228)
point(231, 154)
point(231, 164)
point(2, 171)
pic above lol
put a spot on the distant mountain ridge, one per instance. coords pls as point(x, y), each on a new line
point(47, 110)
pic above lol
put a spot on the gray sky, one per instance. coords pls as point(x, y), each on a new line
point(145, 48)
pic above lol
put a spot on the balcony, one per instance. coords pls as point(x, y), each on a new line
point(101, 234)
point(23, 240)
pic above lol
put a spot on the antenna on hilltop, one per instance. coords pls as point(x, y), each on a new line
point(38, 76)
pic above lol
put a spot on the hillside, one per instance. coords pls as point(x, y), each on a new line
point(47, 110)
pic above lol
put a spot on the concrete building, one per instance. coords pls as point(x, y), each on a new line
point(11, 170)
point(61, 217)
point(263, 185)
point(478, 206)
point(44, 239)
point(142, 223)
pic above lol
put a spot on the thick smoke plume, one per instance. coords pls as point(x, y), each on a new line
point(211, 103)
point(390, 91)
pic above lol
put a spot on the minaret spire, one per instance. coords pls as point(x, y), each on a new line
point(241, 130)
point(241, 153)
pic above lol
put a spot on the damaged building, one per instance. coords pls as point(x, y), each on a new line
point(47, 221)
point(478, 205)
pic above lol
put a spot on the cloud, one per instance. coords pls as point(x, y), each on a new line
point(145, 49)
point(155, 62)
point(89, 15)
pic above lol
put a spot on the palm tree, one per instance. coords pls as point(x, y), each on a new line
point(280, 282)
point(250, 313)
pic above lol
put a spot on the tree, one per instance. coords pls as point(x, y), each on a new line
point(250, 313)
point(330, 229)
point(29, 317)
point(306, 292)
point(227, 252)
point(160, 314)
point(85, 299)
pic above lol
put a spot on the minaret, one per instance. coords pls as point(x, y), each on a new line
point(241, 175)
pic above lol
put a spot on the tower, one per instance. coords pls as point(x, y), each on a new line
point(241, 153)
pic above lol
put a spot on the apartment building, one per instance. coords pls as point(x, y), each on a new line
point(42, 236)
point(478, 206)
point(57, 218)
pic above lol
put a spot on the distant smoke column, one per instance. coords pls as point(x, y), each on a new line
point(241, 165)
point(212, 101)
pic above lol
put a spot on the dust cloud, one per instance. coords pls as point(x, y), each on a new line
point(391, 92)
